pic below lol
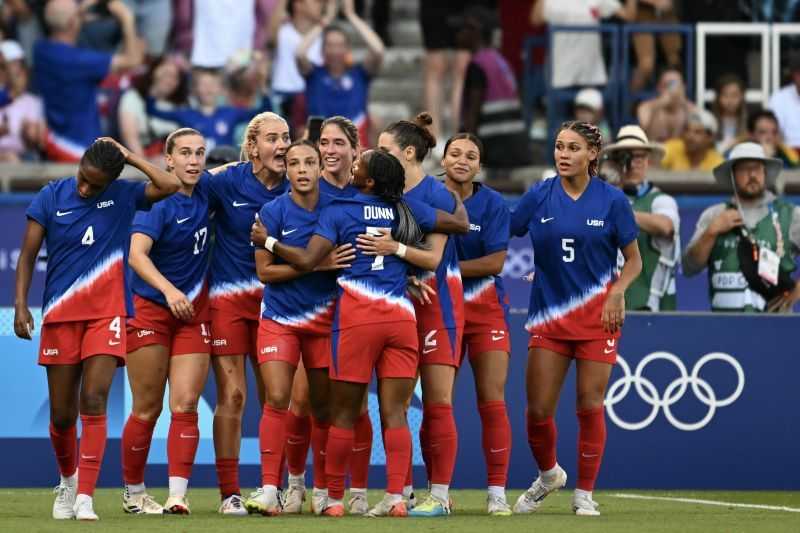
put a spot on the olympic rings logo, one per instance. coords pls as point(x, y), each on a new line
point(519, 262)
point(674, 391)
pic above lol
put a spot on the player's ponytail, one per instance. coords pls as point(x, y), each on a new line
point(414, 133)
point(389, 177)
point(591, 134)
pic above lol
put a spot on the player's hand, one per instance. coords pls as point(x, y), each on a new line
point(377, 245)
point(23, 322)
point(785, 302)
point(613, 315)
point(726, 221)
point(331, 10)
point(529, 277)
point(340, 257)
point(125, 152)
point(421, 292)
point(258, 233)
point(348, 8)
point(179, 304)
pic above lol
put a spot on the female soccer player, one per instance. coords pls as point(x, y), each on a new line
point(577, 223)
point(296, 323)
point(237, 192)
point(85, 222)
point(374, 326)
point(338, 144)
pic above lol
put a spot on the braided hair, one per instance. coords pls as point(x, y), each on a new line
point(591, 134)
point(106, 157)
point(389, 177)
point(414, 133)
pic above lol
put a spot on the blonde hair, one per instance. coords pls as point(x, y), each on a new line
point(253, 129)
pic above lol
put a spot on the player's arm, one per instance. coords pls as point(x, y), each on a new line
point(162, 183)
point(455, 222)
point(301, 52)
point(31, 244)
point(374, 58)
point(139, 260)
point(269, 272)
point(275, 20)
point(613, 314)
point(305, 259)
point(488, 265)
point(385, 245)
point(132, 54)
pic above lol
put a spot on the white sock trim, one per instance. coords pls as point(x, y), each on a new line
point(440, 492)
point(178, 486)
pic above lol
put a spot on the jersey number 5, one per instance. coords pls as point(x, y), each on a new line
point(568, 245)
point(377, 264)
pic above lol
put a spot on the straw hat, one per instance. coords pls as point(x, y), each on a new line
point(632, 137)
point(748, 151)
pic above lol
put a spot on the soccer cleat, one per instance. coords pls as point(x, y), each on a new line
point(177, 505)
point(431, 507)
point(264, 504)
point(63, 506)
point(497, 506)
point(233, 506)
point(83, 508)
point(358, 504)
point(584, 505)
point(293, 499)
point(336, 510)
point(140, 503)
point(388, 506)
point(319, 500)
point(530, 500)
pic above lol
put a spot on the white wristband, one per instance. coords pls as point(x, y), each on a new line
point(401, 250)
point(270, 243)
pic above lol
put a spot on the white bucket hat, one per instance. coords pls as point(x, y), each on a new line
point(633, 137)
point(747, 151)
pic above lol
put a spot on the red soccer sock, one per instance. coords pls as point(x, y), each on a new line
point(319, 440)
point(136, 438)
point(271, 438)
point(542, 440)
point(182, 441)
point(425, 446)
point(397, 442)
point(228, 476)
point(443, 442)
point(496, 441)
point(92, 449)
point(65, 445)
point(337, 459)
point(410, 472)
point(362, 451)
point(591, 443)
point(298, 439)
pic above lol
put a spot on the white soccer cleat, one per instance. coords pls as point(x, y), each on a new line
point(584, 505)
point(358, 504)
point(177, 505)
point(319, 500)
point(388, 506)
point(497, 506)
point(83, 508)
point(264, 504)
point(233, 506)
point(140, 503)
point(293, 498)
point(63, 506)
point(530, 500)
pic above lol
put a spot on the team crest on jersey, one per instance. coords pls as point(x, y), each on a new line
point(594, 222)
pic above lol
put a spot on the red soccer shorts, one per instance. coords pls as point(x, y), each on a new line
point(234, 333)
point(69, 343)
point(390, 348)
point(486, 337)
point(600, 350)
point(155, 324)
point(277, 342)
point(440, 346)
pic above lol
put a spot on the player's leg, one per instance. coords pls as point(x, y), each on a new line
point(298, 441)
point(187, 378)
point(319, 397)
point(545, 375)
point(63, 383)
point(230, 377)
point(359, 463)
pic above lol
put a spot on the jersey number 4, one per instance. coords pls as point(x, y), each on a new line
point(88, 237)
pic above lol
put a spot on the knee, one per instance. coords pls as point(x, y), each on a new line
point(231, 401)
point(490, 392)
point(590, 398)
point(149, 412)
point(321, 411)
point(345, 418)
point(93, 402)
point(300, 405)
point(63, 418)
point(184, 404)
point(539, 412)
point(278, 399)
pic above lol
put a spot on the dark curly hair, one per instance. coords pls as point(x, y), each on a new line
point(591, 134)
point(414, 133)
point(106, 157)
point(390, 178)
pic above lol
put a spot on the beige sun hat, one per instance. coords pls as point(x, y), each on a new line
point(633, 137)
point(748, 151)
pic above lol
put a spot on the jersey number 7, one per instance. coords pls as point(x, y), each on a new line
point(377, 264)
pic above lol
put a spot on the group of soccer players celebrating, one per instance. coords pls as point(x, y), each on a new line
point(329, 264)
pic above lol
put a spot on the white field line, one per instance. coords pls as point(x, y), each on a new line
point(708, 502)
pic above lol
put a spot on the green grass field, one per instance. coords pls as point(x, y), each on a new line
point(28, 510)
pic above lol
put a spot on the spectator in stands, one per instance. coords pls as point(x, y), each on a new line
point(338, 87)
point(730, 110)
point(748, 243)
point(786, 104)
point(664, 117)
point(153, 22)
point(762, 128)
point(694, 150)
point(167, 83)
point(656, 215)
point(221, 28)
point(67, 76)
point(644, 44)
point(288, 85)
point(578, 56)
point(589, 107)
point(247, 78)
point(490, 107)
point(22, 125)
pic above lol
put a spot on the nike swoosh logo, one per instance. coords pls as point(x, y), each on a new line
point(285, 233)
point(62, 213)
point(589, 456)
point(113, 343)
point(182, 220)
point(501, 337)
point(607, 351)
point(429, 350)
point(206, 341)
point(611, 342)
point(135, 449)
point(356, 450)
point(88, 457)
point(189, 436)
point(266, 451)
point(492, 450)
point(239, 204)
point(294, 442)
point(546, 220)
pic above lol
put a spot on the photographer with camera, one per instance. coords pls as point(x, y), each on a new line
point(750, 242)
point(656, 214)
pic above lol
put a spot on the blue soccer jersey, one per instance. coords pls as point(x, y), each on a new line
point(305, 302)
point(87, 243)
point(373, 288)
point(348, 191)
point(575, 244)
point(236, 196)
point(178, 226)
point(446, 310)
point(489, 220)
